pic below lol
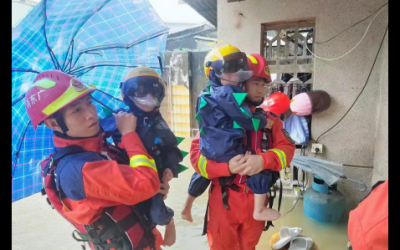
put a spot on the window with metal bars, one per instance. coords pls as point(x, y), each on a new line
point(286, 46)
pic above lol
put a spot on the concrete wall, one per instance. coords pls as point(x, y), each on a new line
point(198, 82)
point(187, 71)
point(186, 38)
point(361, 138)
point(380, 171)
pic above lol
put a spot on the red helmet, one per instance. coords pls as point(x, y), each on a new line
point(52, 90)
point(259, 66)
point(277, 103)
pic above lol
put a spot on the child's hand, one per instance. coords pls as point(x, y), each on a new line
point(164, 189)
point(167, 175)
point(269, 124)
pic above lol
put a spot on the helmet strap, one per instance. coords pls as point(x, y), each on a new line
point(251, 103)
point(65, 136)
point(60, 122)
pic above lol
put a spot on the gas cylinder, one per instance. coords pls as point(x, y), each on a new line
point(323, 203)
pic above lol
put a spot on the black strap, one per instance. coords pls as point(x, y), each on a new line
point(98, 237)
point(248, 141)
point(224, 197)
point(126, 223)
point(60, 122)
point(206, 219)
point(280, 195)
point(53, 161)
point(61, 153)
point(206, 215)
point(86, 238)
point(271, 203)
point(48, 201)
point(224, 189)
point(110, 229)
point(225, 183)
point(82, 236)
point(268, 133)
point(121, 154)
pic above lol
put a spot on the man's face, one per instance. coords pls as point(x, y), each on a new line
point(256, 88)
point(81, 118)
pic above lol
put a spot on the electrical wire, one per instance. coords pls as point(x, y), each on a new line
point(294, 205)
point(303, 152)
point(366, 83)
point(339, 57)
point(298, 198)
point(330, 39)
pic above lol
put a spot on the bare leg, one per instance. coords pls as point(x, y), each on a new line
point(186, 213)
point(262, 213)
point(170, 234)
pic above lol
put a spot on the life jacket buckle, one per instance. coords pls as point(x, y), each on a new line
point(234, 187)
point(98, 247)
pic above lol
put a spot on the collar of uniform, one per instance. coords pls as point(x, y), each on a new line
point(94, 144)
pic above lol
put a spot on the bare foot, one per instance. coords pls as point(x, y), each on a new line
point(170, 234)
point(186, 214)
point(266, 214)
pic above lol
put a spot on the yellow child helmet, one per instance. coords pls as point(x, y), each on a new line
point(143, 85)
point(227, 59)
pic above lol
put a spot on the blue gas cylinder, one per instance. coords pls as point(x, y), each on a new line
point(323, 203)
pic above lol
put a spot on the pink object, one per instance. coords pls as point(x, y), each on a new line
point(51, 91)
point(301, 105)
point(312, 102)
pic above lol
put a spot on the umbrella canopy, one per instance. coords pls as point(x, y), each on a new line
point(97, 41)
point(329, 171)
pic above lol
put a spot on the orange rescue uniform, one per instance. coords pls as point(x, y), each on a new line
point(235, 228)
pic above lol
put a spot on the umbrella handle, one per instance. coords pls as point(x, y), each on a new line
point(364, 187)
point(160, 62)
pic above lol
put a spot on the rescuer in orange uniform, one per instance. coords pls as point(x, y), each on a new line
point(230, 222)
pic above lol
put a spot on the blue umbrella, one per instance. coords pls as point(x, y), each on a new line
point(97, 41)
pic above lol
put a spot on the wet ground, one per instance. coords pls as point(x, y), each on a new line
point(36, 226)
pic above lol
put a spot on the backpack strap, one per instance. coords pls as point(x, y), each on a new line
point(55, 159)
point(52, 164)
point(61, 153)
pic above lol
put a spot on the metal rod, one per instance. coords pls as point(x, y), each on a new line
point(102, 104)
